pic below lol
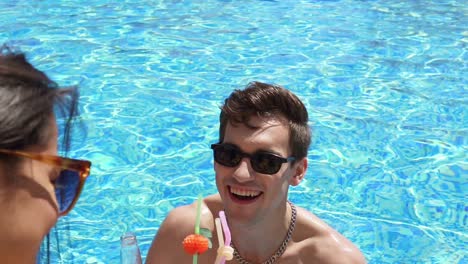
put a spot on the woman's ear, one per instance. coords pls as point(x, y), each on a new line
point(300, 169)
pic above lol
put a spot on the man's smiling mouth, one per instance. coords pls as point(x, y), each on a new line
point(243, 194)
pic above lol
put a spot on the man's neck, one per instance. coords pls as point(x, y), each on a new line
point(258, 241)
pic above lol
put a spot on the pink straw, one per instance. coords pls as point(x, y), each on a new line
point(224, 251)
point(227, 233)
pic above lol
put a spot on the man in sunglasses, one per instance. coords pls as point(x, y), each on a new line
point(36, 185)
point(262, 150)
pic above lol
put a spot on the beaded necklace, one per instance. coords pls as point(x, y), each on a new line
point(281, 249)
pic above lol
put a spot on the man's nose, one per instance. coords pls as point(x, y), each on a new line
point(244, 171)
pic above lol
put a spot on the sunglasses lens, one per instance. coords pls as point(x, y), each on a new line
point(66, 188)
point(227, 156)
point(266, 163)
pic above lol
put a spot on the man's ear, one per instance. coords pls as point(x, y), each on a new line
point(300, 169)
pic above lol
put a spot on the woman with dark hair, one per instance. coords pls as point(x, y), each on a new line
point(36, 185)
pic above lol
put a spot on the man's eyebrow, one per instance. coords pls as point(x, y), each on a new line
point(257, 150)
point(269, 151)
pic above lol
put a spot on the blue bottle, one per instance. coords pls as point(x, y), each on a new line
point(129, 250)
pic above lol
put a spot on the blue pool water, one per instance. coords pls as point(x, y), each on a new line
point(384, 81)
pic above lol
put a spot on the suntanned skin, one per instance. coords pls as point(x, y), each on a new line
point(258, 227)
point(28, 206)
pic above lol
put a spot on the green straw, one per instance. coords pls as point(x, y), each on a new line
point(197, 220)
point(197, 224)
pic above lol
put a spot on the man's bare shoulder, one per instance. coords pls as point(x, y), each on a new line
point(179, 222)
point(317, 241)
point(183, 218)
point(180, 218)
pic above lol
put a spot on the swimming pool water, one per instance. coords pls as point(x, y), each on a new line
point(384, 82)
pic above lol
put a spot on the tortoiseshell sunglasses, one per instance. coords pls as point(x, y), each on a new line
point(69, 183)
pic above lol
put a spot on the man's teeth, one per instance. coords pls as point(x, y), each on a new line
point(244, 192)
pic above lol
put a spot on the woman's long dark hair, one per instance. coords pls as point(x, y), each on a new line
point(28, 99)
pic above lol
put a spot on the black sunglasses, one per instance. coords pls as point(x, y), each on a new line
point(262, 162)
